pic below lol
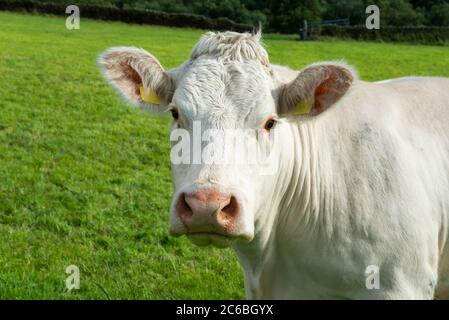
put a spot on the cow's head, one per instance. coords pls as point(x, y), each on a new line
point(226, 87)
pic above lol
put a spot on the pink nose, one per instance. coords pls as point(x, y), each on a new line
point(208, 211)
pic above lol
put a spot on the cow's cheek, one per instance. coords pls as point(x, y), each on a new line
point(180, 174)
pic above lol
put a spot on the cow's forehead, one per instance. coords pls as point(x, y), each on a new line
point(228, 92)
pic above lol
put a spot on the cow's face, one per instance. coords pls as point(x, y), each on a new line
point(227, 109)
point(225, 103)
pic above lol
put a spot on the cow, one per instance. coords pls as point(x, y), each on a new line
point(358, 205)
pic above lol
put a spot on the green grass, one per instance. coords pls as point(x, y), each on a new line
point(86, 181)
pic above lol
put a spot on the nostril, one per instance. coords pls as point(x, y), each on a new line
point(232, 208)
point(183, 207)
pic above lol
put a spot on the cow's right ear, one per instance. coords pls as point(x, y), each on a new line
point(138, 76)
point(315, 89)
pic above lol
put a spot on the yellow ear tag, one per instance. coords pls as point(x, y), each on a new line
point(303, 107)
point(149, 96)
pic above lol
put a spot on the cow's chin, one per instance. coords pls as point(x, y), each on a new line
point(209, 238)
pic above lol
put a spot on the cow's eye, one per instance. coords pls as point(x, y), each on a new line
point(174, 113)
point(270, 124)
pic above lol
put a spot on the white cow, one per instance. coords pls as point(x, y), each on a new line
point(358, 207)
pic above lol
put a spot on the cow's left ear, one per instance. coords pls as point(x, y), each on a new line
point(316, 88)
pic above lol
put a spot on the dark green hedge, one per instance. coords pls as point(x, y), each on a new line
point(129, 15)
point(424, 35)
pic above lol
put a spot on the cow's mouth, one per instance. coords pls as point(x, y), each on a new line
point(210, 238)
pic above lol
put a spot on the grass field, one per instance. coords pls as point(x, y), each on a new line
point(86, 181)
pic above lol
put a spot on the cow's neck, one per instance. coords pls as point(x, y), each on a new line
point(294, 205)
